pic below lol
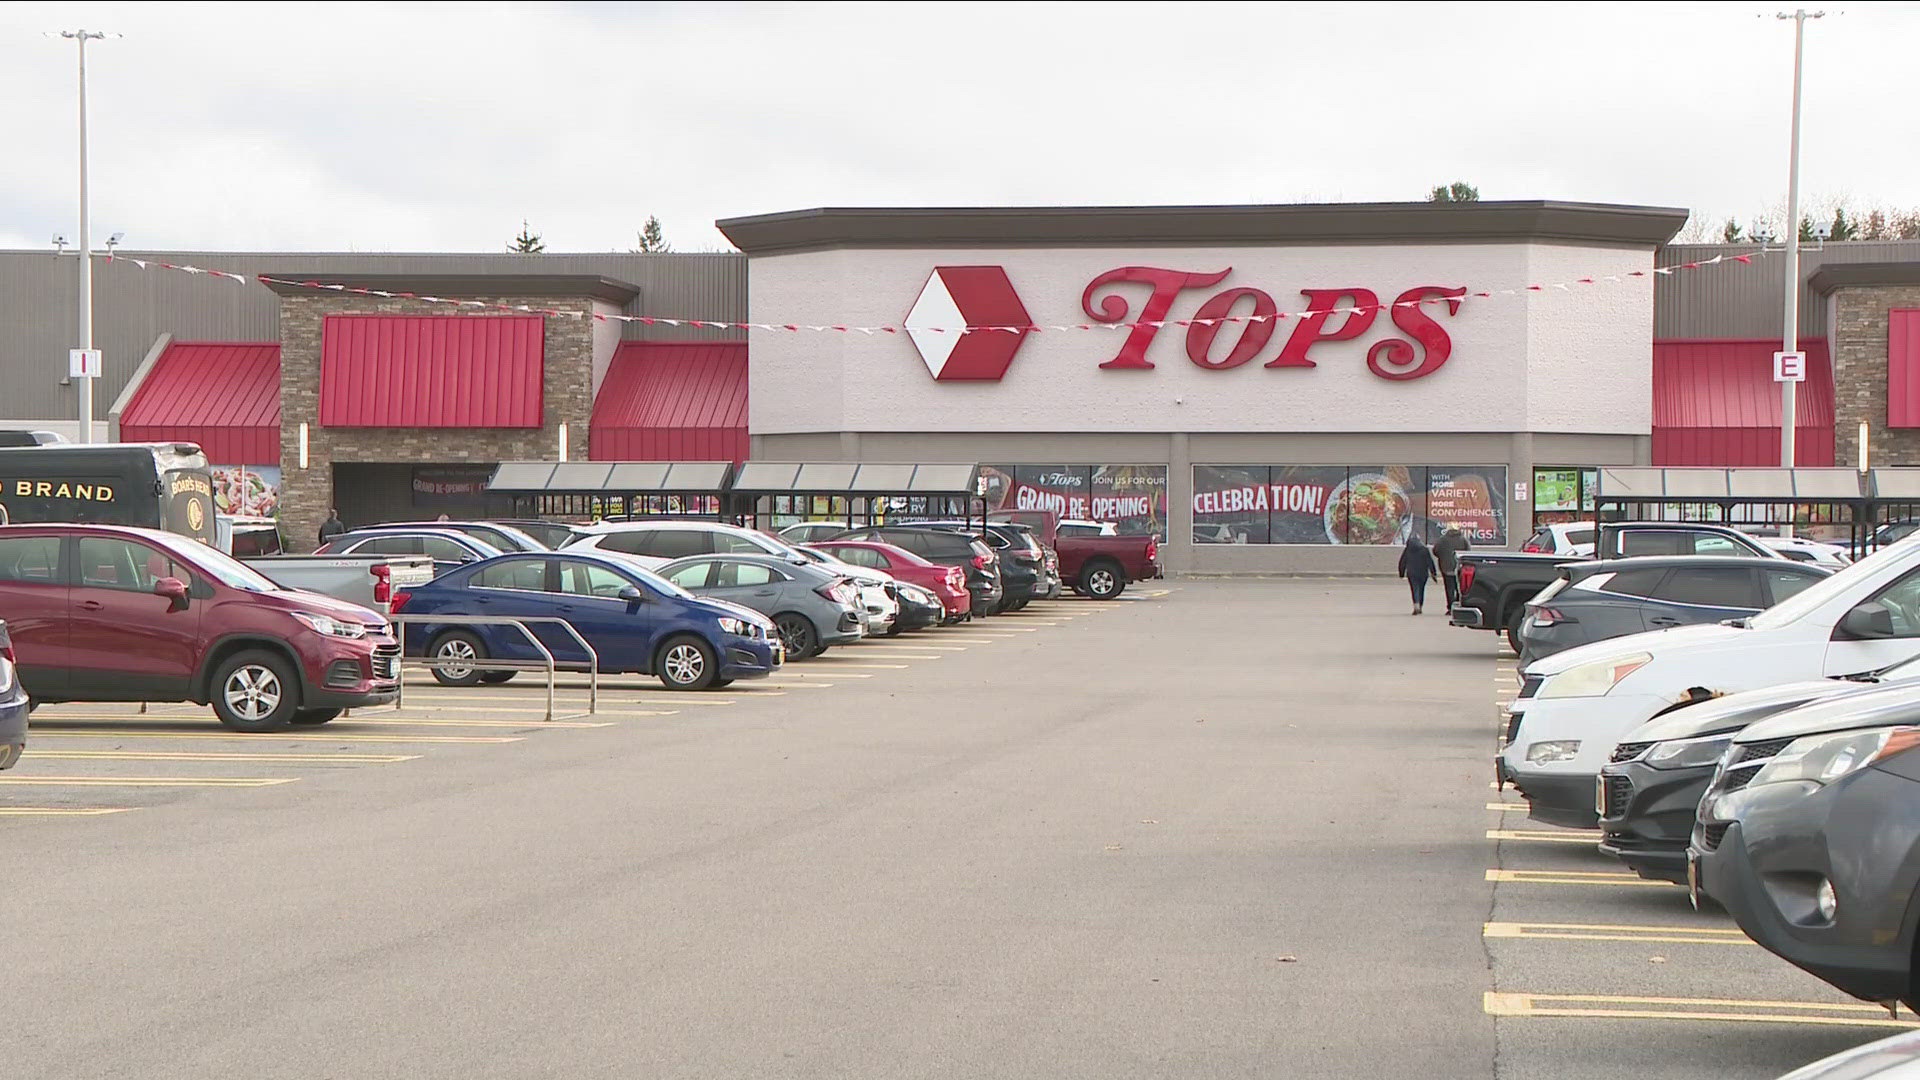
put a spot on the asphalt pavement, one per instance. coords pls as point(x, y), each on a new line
point(1215, 829)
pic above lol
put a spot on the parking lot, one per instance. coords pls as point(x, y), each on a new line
point(1214, 828)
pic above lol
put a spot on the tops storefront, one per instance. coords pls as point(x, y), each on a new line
point(1267, 388)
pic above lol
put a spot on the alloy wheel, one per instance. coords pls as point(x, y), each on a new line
point(252, 692)
point(684, 663)
point(797, 635)
point(456, 649)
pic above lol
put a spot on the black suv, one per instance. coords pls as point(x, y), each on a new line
point(947, 548)
point(1023, 561)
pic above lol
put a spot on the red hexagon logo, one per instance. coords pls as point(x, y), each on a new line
point(971, 297)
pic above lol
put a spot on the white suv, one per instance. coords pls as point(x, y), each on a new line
point(655, 543)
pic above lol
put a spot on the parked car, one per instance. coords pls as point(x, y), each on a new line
point(1577, 704)
point(812, 607)
point(107, 613)
point(502, 536)
point(1809, 836)
point(654, 543)
point(14, 706)
point(1594, 601)
point(1025, 571)
point(633, 619)
point(448, 548)
point(1573, 538)
point(919, 608)
point(1884, 534)
point(1801, 549)
point(1896, 1057)
point(1496, 585)
point(369, 581)
point(806, 532)
point(947, 583)
point(146, 485)
point(1097, 566)
point(1652, 784)
point(879, 593)
point(554, 534)
point(1070, 527)
point(973, 558)
point(247, 537)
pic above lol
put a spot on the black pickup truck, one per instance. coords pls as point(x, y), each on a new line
point(1496, 585)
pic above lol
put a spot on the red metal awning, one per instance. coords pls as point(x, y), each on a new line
point(1903, 367)
point(1715, 404)
point(433, 371)
point(672, 401)
point(223, 395)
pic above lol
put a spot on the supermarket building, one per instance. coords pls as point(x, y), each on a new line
point(1277, 389)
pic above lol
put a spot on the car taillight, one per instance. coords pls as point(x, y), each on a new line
point(1466, 577)
point(382, 582)
point(955, 579)
point(1533, 546)
point(1153, 548)
point(1547, 616)
point(399, 602)
point(980, 561)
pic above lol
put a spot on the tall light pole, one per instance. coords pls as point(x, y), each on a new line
point(1790, 335)
point(85, 383)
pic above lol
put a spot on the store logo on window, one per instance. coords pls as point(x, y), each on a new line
point(974, 297)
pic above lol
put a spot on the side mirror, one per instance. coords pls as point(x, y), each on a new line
point(632, 595)
point(1866, 622)
point(173, 589)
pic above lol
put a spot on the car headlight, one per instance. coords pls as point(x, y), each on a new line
point(1592, 679)
point(1823, 759)
point(1689, 753)
point(6, 675)
point(737, 627)
point(1547, 753)
point(330, 626)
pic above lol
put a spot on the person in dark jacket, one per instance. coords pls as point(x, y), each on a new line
point(1446, 553)
point(1417, 566)
point(332, 527)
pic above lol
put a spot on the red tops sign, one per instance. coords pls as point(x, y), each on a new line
point(1357, 309)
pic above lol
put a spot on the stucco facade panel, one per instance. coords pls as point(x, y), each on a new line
point(1591, 356)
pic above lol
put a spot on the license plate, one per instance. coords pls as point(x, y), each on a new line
point(779, 654)
point(386, 667)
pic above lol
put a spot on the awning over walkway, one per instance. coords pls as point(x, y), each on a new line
point(611, 478)
point(223, 395)
point(682, 401)
point(1715, 403)
point(1640, 485)
point(856, 478)
point(432, 371)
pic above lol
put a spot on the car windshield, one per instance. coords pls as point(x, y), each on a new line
point(217, 565)
point(1818, 594)
point(652, 580)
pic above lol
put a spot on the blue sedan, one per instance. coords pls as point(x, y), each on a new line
point(634, 620)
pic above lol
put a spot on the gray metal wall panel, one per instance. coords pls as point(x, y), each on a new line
point(1746, 301)
point(134, 306)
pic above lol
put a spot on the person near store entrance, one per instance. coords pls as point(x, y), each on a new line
point(333, 526)
point(1446, 553)
point(1417, 566)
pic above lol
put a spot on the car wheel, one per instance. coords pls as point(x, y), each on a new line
point(451, 649)
point(1102, 581)
point(1018, 605)
point(718, 683)
point(255, 691)
point(686, 663)
point(1511, 620)
point(798, 635)
point(895, 630)
point(311, 717)
point(497, 677)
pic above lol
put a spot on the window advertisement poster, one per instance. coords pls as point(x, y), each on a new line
point(1064, 490)
point(1299, 500)
point(1373, 505)
point(1556, 490)
point(435, 486)
point(1589, 488)
point(1473, 497)
point(247, 490)
point(1133, 497)
point(1230, 504)
point(998, 480)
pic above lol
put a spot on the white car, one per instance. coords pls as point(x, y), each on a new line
point(1565, 538)
point(1801, 549)
point(879, 596)
point(1076, 527)
point(1576, 705)
point(652, 544)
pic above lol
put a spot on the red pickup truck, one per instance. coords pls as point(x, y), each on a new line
point(103, 613)
point(1097, 566)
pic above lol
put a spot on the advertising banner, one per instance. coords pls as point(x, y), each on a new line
point(438, 485)
point(1375, 505)
point(1230, 504)
point(1556, 490)
point(1133, 497)
point(1065, 490)
point(1298, 501)
point(246, 490)
point(1472, 497)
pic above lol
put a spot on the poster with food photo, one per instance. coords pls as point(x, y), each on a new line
point(1230, 504)
point(1374, 505)
point(246, 490)
point(1472, 497)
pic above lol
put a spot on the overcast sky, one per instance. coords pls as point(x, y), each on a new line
point(439, 127)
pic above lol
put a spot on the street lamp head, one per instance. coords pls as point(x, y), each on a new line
point(114, 240)
point(59, 244)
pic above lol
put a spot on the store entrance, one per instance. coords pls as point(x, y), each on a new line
point(368, 493)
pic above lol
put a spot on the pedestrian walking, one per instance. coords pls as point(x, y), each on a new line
point(1446, 553)
point(1417, 566)
point(332, 527)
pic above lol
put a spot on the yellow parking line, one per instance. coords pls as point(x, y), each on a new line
point(972, 640)
point(215, 755)
point(1674, 935)
point(147, 781)
point(1615, 878)
point(1508, 807)
point(1547, 836)
point(280, 736)
point(62, 811)
point(1005, 630)
point(1730, 1010)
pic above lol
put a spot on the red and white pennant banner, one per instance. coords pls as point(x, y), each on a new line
point(721, 324)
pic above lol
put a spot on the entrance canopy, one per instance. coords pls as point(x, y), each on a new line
point(777, 490)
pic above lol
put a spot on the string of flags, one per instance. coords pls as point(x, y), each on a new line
point(1722, 259)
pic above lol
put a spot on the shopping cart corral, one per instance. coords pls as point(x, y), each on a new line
point(547, 663)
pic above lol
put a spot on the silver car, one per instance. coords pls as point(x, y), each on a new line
point(811, 606)
point(879, 593)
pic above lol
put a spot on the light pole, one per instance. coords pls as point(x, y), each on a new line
point(1790, 335)
point(85, 384)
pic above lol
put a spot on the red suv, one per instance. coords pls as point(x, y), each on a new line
point(104, 613)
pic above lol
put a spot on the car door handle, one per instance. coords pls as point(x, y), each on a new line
point(763, 592)
point(1663, 620)
point(91, 605)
